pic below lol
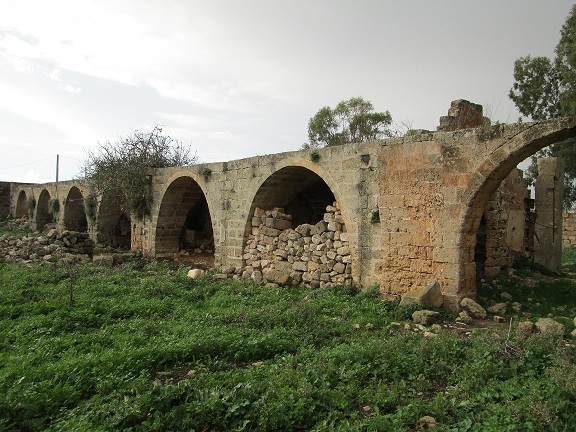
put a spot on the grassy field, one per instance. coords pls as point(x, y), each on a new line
point(144, 348)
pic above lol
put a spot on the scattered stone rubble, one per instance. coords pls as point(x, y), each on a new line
point(32, 247)
point(310, 255)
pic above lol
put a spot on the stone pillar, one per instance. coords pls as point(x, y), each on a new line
point(548, 226)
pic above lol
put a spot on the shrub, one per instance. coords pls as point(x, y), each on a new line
point(31, 204)
point(53, 205)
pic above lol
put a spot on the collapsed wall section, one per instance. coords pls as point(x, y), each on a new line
point(312, 255)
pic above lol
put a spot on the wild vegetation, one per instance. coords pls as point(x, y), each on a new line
point(122, 170)
point(143, 347)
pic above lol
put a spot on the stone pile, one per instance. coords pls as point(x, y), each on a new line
point(20, 224)
point(310, 255)
point(30, 247)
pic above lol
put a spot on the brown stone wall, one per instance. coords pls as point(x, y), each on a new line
point(569, 228)
point(461, 115)
point(412, 206)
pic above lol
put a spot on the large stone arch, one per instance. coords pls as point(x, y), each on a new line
point(508, 146)
point(308, 168)
point(43, 215)
point(74, 212)
point(294, 195)
point(302, 192)
point(21, 204)
point(184, 219)
point(114, 224)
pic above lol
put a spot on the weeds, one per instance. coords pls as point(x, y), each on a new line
point(145, 348)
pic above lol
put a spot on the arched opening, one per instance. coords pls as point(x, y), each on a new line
point(489, 175)
point(300, 192)
point(480, 250)
point(295, 233)
point(43, 215)
point(114, 225)
point(184, 224)
point(21, 210)
point(74, 212)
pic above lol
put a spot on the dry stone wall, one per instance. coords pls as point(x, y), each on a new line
point(312, 255)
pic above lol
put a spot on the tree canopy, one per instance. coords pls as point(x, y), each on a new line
point(353, 120)
point(121, 169)
point(545, 88)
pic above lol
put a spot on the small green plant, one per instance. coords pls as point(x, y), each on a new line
point(314, 156)
point(90, 205)
point(375, 217)
point(53, 205)
point(206, 173)
point(31, 204)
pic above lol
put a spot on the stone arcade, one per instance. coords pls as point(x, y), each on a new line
point(404, 211)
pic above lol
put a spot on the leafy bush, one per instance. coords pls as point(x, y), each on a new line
point(53, 205)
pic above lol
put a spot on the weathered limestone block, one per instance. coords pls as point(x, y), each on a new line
point(276, 276)
point(429, 295)
point(300, 266)
point(473, 308)
point(426, 317)
point(549, 326)
point(497, 309)
point(196, 274)
point(270, 232)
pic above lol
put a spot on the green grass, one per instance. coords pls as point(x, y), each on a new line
point(569, 259)
point(540, 292)
point(145, 349)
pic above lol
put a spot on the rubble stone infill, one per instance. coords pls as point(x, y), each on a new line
point(32, 247)
point(310, 255)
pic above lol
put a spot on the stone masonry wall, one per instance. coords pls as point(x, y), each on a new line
point(505, 217)
point(569, 228)
point(429, 191)
point(311, 255)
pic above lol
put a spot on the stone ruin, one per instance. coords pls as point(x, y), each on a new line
point(311, 255)
point(26, 248)
point(463, 114)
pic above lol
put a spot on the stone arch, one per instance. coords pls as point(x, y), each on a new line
point(295, 196)
point(300, 191)
point(505, 151)
point(43, 215)
point(74, 212)
point(307, 168)
point(21, 204)
point(114, 224)
point(184, 220)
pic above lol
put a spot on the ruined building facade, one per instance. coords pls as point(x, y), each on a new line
point(448, 206)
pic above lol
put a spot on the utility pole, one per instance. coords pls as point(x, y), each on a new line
point(57, 168)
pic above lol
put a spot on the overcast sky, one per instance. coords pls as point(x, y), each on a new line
point(234, 79)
